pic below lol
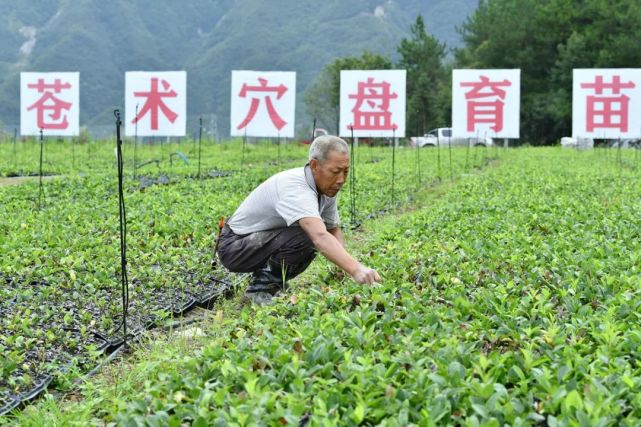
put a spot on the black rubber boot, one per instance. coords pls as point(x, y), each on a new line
point(265, 283)
point(266, 280)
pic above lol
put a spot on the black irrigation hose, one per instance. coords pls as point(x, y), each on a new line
point(123, 230)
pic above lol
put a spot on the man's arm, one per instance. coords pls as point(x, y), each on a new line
point(331, 247)
point(338, 234)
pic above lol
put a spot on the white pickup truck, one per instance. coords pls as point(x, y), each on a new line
point(570, 142)
point(443, 137)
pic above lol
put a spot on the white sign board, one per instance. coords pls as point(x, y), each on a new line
point(263, 103)
point(372, 103)
point(155, 102)
point(606, 103)
point(51, 102)
point(486, 103)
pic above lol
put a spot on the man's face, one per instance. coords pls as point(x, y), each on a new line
point(332, 174)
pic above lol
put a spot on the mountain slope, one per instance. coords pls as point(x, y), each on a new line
point(208, 38)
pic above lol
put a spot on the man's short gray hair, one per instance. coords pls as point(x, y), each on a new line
point(323, 144)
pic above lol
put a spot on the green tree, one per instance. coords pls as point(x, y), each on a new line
point(427, 80)
point(322, 99)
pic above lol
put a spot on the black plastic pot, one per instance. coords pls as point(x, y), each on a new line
point(221, 290)
point(12, 404)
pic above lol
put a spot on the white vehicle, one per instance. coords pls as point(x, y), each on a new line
point(443, 137)
point(625, 143)
point(569, 142)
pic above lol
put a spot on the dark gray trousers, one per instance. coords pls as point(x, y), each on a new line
point(288, 249)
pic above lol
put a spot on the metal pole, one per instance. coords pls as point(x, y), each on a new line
point(15, 135)
point(475, 147)
point(450, 149)
point(636, 151)
point(620, 159)
point(200, 137)
point(352, 179)
point(123, 230)
point(485, 148)
point(467, 153)
point(438, 156)
point(242, 159)
point(393, 165)
point(418, 155)
point(40, 190)
point(136, 143)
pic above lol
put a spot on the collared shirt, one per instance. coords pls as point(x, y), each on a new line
point(281, 201)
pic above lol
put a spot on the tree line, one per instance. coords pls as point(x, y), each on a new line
point(546, 39)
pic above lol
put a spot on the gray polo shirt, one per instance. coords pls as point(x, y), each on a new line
point(281, 201)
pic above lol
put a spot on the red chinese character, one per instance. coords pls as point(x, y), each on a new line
point(368, 115)
point(485, 111)
point(273, 115)
point(49, 102)
point(155, 101)
point(610, 115)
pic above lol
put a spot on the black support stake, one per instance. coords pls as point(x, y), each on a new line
point(438, 157)
point(15, 136)
point(450, 149)
point(200, 140)
point(475, 150)
point(636, 153)
point(619, 158)
point(40, 190)
point(352, 179)
point(467, 154)
point(418, 155)
point(123, 231)
point(136, 142)
point(73, 154)
point(278, 143)
point(311, 139)
point(242, 159)
point(393, 165)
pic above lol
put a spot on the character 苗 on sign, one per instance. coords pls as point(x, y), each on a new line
point(605, 103)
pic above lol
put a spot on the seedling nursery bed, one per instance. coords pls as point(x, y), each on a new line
point(56, 335)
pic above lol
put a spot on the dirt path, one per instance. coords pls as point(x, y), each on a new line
point(17, 180)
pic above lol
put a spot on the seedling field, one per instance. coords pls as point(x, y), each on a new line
point(510, 291)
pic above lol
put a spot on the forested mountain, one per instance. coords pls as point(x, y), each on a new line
point(208, 38)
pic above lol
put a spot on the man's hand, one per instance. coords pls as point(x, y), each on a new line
point(329, 244)
point(366, 276)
